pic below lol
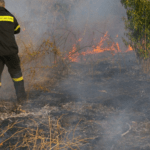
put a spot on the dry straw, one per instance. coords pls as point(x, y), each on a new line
point(51, 137)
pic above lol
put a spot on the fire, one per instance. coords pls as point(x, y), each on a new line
point(73, 55)
point(129, 49)
point(80, 40)
point(118, 47)
point(114, 48)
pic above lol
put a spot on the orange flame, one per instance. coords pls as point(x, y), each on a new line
point(80, 40)
point(129, 49)
point(73, 55)
point(114, 48)
point(118, 47)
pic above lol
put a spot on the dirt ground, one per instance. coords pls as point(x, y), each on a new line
point(107, 104)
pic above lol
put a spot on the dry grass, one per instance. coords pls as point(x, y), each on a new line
point(43, 66)
point(52, 136)
point(42, 54)
point(44, 63)
point(38, 68)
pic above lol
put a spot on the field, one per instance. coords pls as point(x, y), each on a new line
point(86, 90)
point(104, 106)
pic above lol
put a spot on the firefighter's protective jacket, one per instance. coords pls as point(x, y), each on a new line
point(8, 27)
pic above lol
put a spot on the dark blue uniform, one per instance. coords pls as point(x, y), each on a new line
point(9, 51)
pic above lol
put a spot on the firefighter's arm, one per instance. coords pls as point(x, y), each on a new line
point(16, 26)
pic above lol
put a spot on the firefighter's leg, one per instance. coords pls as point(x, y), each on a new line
point(1, 69)
point(13, 64)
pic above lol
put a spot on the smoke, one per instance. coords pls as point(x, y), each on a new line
point(82, 17)
point(74, 19)
point(108, 82)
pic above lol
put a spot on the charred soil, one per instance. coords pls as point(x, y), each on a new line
point(103, 107)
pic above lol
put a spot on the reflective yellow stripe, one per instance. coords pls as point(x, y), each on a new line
point(0, 84)
point(18, 79)
point(7, 18)
point(17, 27)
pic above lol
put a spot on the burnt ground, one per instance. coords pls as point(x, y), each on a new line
point(108, 102)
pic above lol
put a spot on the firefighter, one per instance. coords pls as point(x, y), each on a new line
point(9, 51)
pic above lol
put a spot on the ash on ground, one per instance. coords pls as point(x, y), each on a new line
point(106, 103)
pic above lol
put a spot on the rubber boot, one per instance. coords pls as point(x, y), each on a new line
point(20, 92)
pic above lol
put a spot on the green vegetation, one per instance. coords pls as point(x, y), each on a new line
point(137, 25)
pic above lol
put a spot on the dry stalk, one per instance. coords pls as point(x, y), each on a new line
point(126, 131)
point(30, 137)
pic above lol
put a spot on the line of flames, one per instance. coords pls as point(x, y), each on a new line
point(73, 55)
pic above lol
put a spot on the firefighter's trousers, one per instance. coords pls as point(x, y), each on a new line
point(13, 64)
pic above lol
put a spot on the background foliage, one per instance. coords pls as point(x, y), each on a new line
point(137, 25)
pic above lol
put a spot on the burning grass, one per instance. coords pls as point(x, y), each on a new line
point(45, 65)
point(55, 63)
point(106, 44)
point(43, 76)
